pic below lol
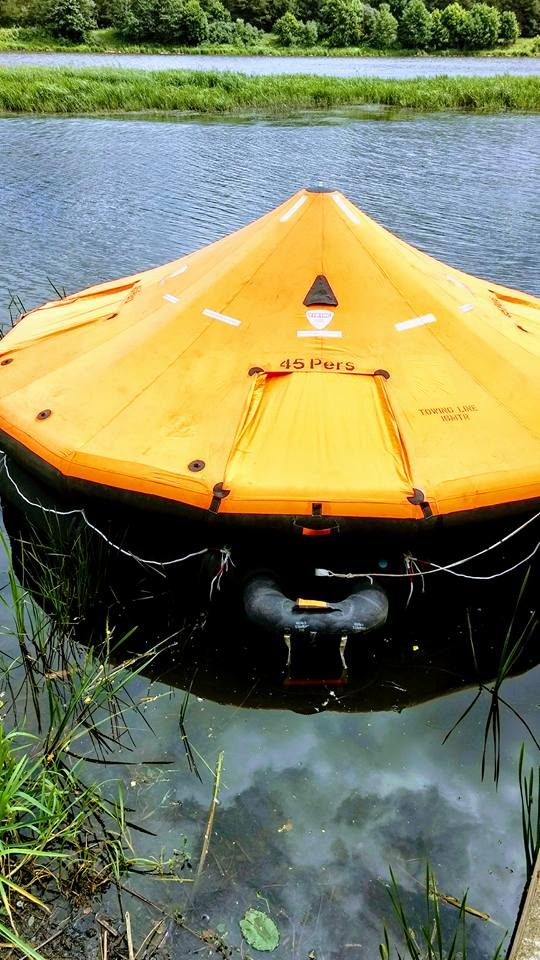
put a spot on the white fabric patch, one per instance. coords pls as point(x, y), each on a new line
point(346, 210)
point(415, 322)
point(170, 299)
point(319, 333)
point(292, 210)
point(232, 321)
point(319, 318)
point(466, 307)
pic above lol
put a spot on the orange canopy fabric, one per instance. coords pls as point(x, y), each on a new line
point(310, 358)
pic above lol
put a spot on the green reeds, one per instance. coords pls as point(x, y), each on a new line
point(73, 91)
point(518, 635)
point(529, 790)
point(433, 939)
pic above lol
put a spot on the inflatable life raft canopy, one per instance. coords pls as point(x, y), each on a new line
point(309, 363)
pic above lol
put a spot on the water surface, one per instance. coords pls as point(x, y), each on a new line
point(391, 67)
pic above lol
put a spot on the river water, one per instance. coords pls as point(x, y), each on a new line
point(314, 803)
point(391, 67)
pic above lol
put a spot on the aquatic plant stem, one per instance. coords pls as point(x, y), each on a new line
point(208, 831)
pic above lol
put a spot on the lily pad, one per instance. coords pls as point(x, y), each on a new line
point(259, 930)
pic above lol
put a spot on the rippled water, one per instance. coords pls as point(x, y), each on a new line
point(328, 66)
point(312, 807)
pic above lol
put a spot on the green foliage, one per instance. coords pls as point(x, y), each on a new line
point(454, 18)
point(15, 12)
point(259, 930)
point(415, 28)
point(215, 10)
point(166, 21)
point(433, 939)
point(509, 27)
point(482, 25)
point(341, 22)
point(440, 37)
point(251, 11)
point(309, 10)
point(69, 19)
point(39, 90)
point(369, 14)
point(527, 13)
point(385, 28)
point(291, 32)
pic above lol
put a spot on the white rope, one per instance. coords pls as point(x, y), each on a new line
point(224, 568)
point(126, 553)
point(448, 568)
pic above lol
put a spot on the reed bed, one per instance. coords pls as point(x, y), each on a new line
point(98, 91)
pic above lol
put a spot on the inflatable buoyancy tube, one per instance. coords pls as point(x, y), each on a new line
point(364, 610)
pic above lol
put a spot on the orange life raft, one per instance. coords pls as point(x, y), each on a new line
point(309, 370)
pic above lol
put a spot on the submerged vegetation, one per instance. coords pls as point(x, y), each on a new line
point(73, 91)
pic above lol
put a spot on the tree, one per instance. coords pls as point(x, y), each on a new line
point(385, 28)
point(527, 13)
point(341, 22)
point(135, 19)
point(369, 14)
point(415, 28)
point(509, 29)
point(482, 24)
point(69, 19)
point(440, 37)
point(251, 11)
point(287, 30)
point(454, 18)
point(215, 10)
point(192, 23)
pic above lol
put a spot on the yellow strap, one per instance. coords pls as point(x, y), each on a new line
point(312, 603)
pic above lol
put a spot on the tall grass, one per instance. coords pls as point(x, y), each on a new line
point(529, 790)
point(73, 91)
point(520, 632)
point(431, 939)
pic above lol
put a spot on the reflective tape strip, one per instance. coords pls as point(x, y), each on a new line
point(346, 209)
point(466, 307)
point(176, 273)
point(170, 299)
point(415, 322)
point(292, 210)
point(319, 333)
point(232, 321)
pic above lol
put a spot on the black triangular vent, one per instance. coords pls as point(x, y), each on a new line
point(320, 294)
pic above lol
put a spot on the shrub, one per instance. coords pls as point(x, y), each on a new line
point(341, 22)
point(482, 25)
point(369, 15)
point(509, 28)
point(385, 28)
point(309, 10)
point(68, 19)
point(527, 13)
point(440, 37)
point(167, 21)
point(454, 18)
point(135, 19)
point(291, 32)
point(215, 10)
point(415, 28)
point(15, 12)
point(286, 30)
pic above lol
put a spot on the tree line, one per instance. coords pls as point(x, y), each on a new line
point(382, 24)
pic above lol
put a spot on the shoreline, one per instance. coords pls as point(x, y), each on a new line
point(74, 91)
point(107, 41)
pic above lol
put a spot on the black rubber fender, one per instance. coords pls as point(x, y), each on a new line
point(364, 610)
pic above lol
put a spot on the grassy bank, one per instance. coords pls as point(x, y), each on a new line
point(60, 91)
point(36, 40)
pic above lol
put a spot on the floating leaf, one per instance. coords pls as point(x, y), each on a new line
point(259, 930)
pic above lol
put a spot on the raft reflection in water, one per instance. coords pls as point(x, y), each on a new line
point(427, 648)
